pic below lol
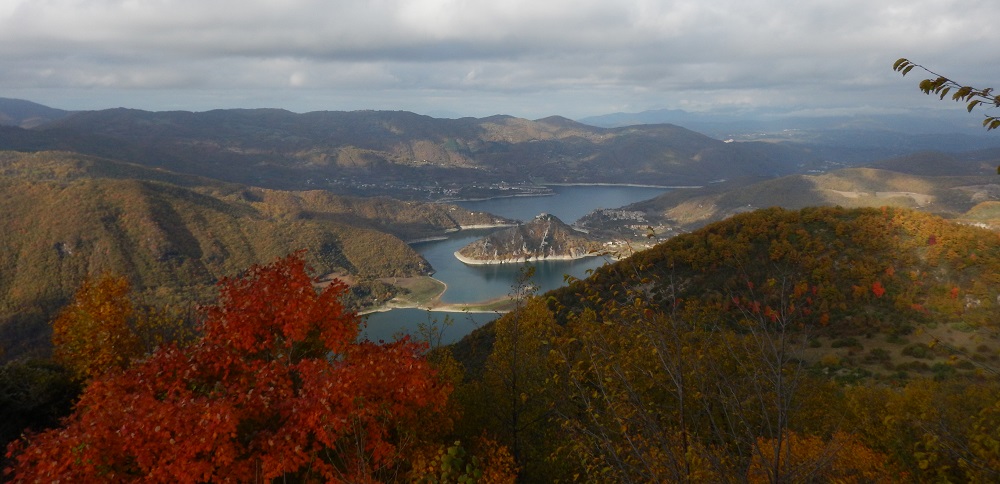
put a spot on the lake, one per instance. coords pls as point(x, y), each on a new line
point(471, 284)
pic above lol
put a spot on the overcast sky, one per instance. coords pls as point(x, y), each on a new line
point(528, 58)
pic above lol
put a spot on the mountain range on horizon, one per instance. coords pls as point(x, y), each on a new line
point(26, 113)
point(410, 156)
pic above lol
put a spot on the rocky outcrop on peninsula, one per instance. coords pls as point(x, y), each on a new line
point(544, 238)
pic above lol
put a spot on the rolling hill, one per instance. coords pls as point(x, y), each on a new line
point(26, 114)
point(64, 216)
point(401, 153)
point(880, 278)
point(878, 323)
point(950, 185)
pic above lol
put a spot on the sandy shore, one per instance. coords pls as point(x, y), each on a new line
point(497, 305)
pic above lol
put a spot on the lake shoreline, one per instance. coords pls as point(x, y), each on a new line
point(497, 197)
point(485, 262)
point(632, 185)
point(437, 238)
point(495, 306)
point(483, 290)
point(431, 301)
point(554, 184)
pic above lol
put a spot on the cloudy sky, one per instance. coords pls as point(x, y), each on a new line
point(528, 58)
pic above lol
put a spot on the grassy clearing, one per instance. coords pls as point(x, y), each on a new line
point(941, 351)
point(423, 292)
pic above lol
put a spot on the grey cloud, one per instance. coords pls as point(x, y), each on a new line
point(574, 57)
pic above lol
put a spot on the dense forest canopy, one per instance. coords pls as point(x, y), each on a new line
point(816, 344)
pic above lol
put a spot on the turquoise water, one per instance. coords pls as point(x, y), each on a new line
point(470, 284)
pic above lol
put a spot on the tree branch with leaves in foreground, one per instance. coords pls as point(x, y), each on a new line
point(943, 86)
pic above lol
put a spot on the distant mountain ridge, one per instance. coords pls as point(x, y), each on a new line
point(411, 156)
point(26, 114)
point(915, 121)
point(958, 186)
point(847, 137)
point(362, 152)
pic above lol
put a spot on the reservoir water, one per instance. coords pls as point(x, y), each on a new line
point(470, 284)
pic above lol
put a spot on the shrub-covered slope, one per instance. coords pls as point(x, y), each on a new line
point(844, 270)
point(699, 358)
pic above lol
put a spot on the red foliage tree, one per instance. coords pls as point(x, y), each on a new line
point(878, 289)
point(277, 386)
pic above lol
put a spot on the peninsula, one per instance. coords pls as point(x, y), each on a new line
point(543, 238)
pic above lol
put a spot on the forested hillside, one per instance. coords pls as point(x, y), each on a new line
point(65, 216)
point(821, 344)
point(832, 256)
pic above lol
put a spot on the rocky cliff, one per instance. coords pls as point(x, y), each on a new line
point(545, 237)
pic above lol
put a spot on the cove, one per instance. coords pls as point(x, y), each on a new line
point(475, 283)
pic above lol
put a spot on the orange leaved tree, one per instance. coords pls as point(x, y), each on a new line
point(278, 386)
point(92, 334)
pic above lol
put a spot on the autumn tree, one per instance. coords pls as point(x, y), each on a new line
point(92, 334)
point(632, 397)
point(277, 386)
point(842, 458)
point(681, 393)
point(102, 328)
point(487, 463)
point(686, 365)
point(511, 399)
point(939, 431)
point(760, 388)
